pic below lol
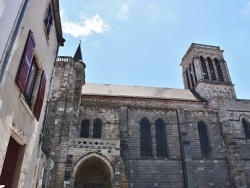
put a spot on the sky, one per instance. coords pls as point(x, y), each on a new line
point(142, 42)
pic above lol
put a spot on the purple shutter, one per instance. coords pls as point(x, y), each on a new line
point(26, 62)
point(40, 96)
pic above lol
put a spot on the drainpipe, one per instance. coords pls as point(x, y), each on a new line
point(13, 40)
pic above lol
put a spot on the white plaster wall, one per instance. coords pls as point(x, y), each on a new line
point(15, 117)
point(8, 13)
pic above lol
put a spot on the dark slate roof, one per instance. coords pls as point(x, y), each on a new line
point(78, 54)
point(138, 92)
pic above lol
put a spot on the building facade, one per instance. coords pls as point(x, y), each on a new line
point(103, 135)
point(30, 38)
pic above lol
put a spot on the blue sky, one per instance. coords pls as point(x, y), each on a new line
point(142, 42)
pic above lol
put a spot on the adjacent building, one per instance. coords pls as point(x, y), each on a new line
point(106, 136)
point(30, 37)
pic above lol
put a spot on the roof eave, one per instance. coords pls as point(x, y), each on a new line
point(57, 20)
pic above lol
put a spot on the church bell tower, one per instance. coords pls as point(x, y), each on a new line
point(205, 71)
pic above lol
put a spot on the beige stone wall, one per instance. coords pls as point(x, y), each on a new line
point(16, 117)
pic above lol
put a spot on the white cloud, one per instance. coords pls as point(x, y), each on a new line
point(122, 13)
point(85, 28)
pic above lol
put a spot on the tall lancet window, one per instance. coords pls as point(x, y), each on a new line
point(97, 128)
point(84, 128)
point(204, 68)
point(203, 136)
point(246, 125)
point(146, 149)
point(219, 70)
point(211, 68)
point(161, 138)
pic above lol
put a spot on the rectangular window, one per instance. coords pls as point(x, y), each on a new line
point(48, 20)
point(27, 78)
point(30, 82)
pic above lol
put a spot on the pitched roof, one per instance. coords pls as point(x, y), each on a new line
point(137, 92)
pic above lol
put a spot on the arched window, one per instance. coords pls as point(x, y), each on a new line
point(246, 125)
point(97, 128)
point(161, 138)
point(202, 129)
point(211, 68)
point(219, 71)
point(191, 75)
point(145, 138)
point(188, 80)
point(84, 128)
point(204, 68)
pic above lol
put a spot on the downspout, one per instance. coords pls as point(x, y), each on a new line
point(182, 154)
point(13, 40)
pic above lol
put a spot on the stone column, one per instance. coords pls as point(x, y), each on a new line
point(198, 70)
point(124, 146)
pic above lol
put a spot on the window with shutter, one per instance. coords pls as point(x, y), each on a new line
point(146, 149)
point(246, 125)
point(30, 82)
point(40, 96)
point(26, 62)
point(97, 128)
point(84, 128)
point(48, 20)
point(161, 138)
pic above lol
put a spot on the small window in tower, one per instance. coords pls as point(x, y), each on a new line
point(188, 80)
point(219, 70)
point(204, 68)
point(97, 128)
point(146, 149)
point(211, 68)
point(246, 125)
point(194, 73)
point(84, 128)
point(191, 75)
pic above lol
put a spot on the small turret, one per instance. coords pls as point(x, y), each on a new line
point(79, 65)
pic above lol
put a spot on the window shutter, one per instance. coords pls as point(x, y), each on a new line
point(26, 62)
point(39, 100)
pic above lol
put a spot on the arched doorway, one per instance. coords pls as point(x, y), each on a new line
point(93, 171)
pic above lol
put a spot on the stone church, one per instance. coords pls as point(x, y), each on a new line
point(117, 136)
